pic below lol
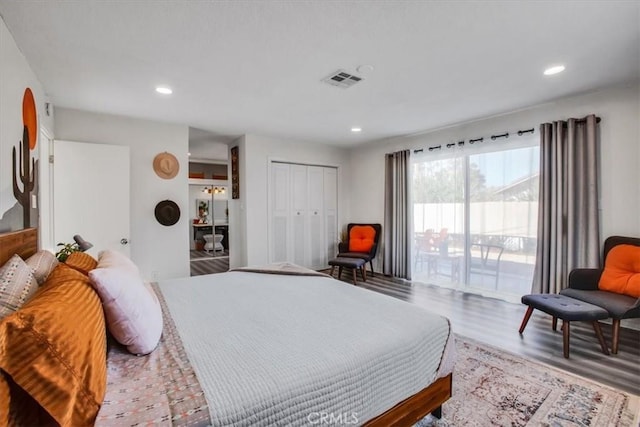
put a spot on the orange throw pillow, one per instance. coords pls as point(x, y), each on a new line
point(361, 238)
point(622, 271)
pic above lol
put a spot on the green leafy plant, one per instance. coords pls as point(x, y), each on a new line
point(66, 250)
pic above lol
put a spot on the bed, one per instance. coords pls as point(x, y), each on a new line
point(278, 348)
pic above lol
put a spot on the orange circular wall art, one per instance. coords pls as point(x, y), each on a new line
point(29, 117)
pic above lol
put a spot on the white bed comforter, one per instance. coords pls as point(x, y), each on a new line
point(286, 350)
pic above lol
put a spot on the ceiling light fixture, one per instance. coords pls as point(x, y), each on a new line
point(165, 90)
point(356, 129)
point(214, 190)
point(554, 70)
point(364, 69)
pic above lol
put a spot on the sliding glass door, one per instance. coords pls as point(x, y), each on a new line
point(438, 219)
point(475, 218)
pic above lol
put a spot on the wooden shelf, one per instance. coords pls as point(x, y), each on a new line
point(199, 181)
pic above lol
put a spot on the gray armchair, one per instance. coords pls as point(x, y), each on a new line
point(343, 247)
point(583, 285)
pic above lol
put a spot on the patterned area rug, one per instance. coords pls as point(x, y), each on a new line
point(494, 388)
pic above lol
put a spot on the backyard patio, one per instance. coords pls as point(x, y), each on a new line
point(502, 267)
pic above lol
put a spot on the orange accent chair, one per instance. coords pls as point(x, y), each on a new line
point(362, 242)
point(610, 286)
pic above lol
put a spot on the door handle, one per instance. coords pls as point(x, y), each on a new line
point(123, 241)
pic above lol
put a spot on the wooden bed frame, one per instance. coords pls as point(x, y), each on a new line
point(406, 413)
point(21, 242)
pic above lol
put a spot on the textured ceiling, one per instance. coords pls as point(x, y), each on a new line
point(255, 66)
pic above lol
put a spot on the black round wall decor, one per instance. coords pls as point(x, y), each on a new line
point(167, 212)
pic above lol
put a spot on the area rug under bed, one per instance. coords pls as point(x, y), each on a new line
point(492, 387)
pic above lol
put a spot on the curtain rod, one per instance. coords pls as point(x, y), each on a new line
point(474, 140)
point(493, 138)
point(582, 120)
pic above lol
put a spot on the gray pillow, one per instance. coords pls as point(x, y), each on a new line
point(42, 264)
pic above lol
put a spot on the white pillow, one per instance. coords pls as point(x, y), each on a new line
point(111, 258)
point(17, 285)
point(131, 308)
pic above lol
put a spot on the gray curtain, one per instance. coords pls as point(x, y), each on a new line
point(568, 217)
point(396, 231)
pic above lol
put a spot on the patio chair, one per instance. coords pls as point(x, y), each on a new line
point(488, 262)
point(429, 243)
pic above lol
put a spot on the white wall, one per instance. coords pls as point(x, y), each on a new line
point(237, 210)
point(619, 108)
point(258, 152)
point(159, 251)
point(208, 150)
point(15, 76)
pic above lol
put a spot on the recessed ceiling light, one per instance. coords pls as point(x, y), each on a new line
point(364, 69)
point(554, 70)
point(188, 154)
point(356, 130)
point(165, 90)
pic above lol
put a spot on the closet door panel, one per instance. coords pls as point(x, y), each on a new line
point(298, 246)
point(316, 188)
point(280, 234)
point(298, 176)
point(317, 251)
point(330, 193)
point(298, 251)
point(316, 239)
point(304, 214)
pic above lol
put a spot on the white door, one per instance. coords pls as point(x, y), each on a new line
point(316, 235)
point(303, 214)
point(331, 211)
point(279, 212)
point(91, 194)
point(298, 253)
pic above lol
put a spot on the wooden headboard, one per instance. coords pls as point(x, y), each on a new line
point(21, 242)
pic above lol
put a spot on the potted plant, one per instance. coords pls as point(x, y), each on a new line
point(66, 250)
point(79, 245)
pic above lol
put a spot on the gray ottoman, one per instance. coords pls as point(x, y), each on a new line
point(567, 309)
point(351, 263)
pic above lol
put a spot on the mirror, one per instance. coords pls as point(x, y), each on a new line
point(220, 212)
point(203, 211)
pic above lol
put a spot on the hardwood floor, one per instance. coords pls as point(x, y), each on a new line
point(496, 322)
point(208, 263)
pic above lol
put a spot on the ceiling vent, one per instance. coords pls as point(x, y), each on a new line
point(342, 79)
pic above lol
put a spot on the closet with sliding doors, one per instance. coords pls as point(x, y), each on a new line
point(303, 214)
